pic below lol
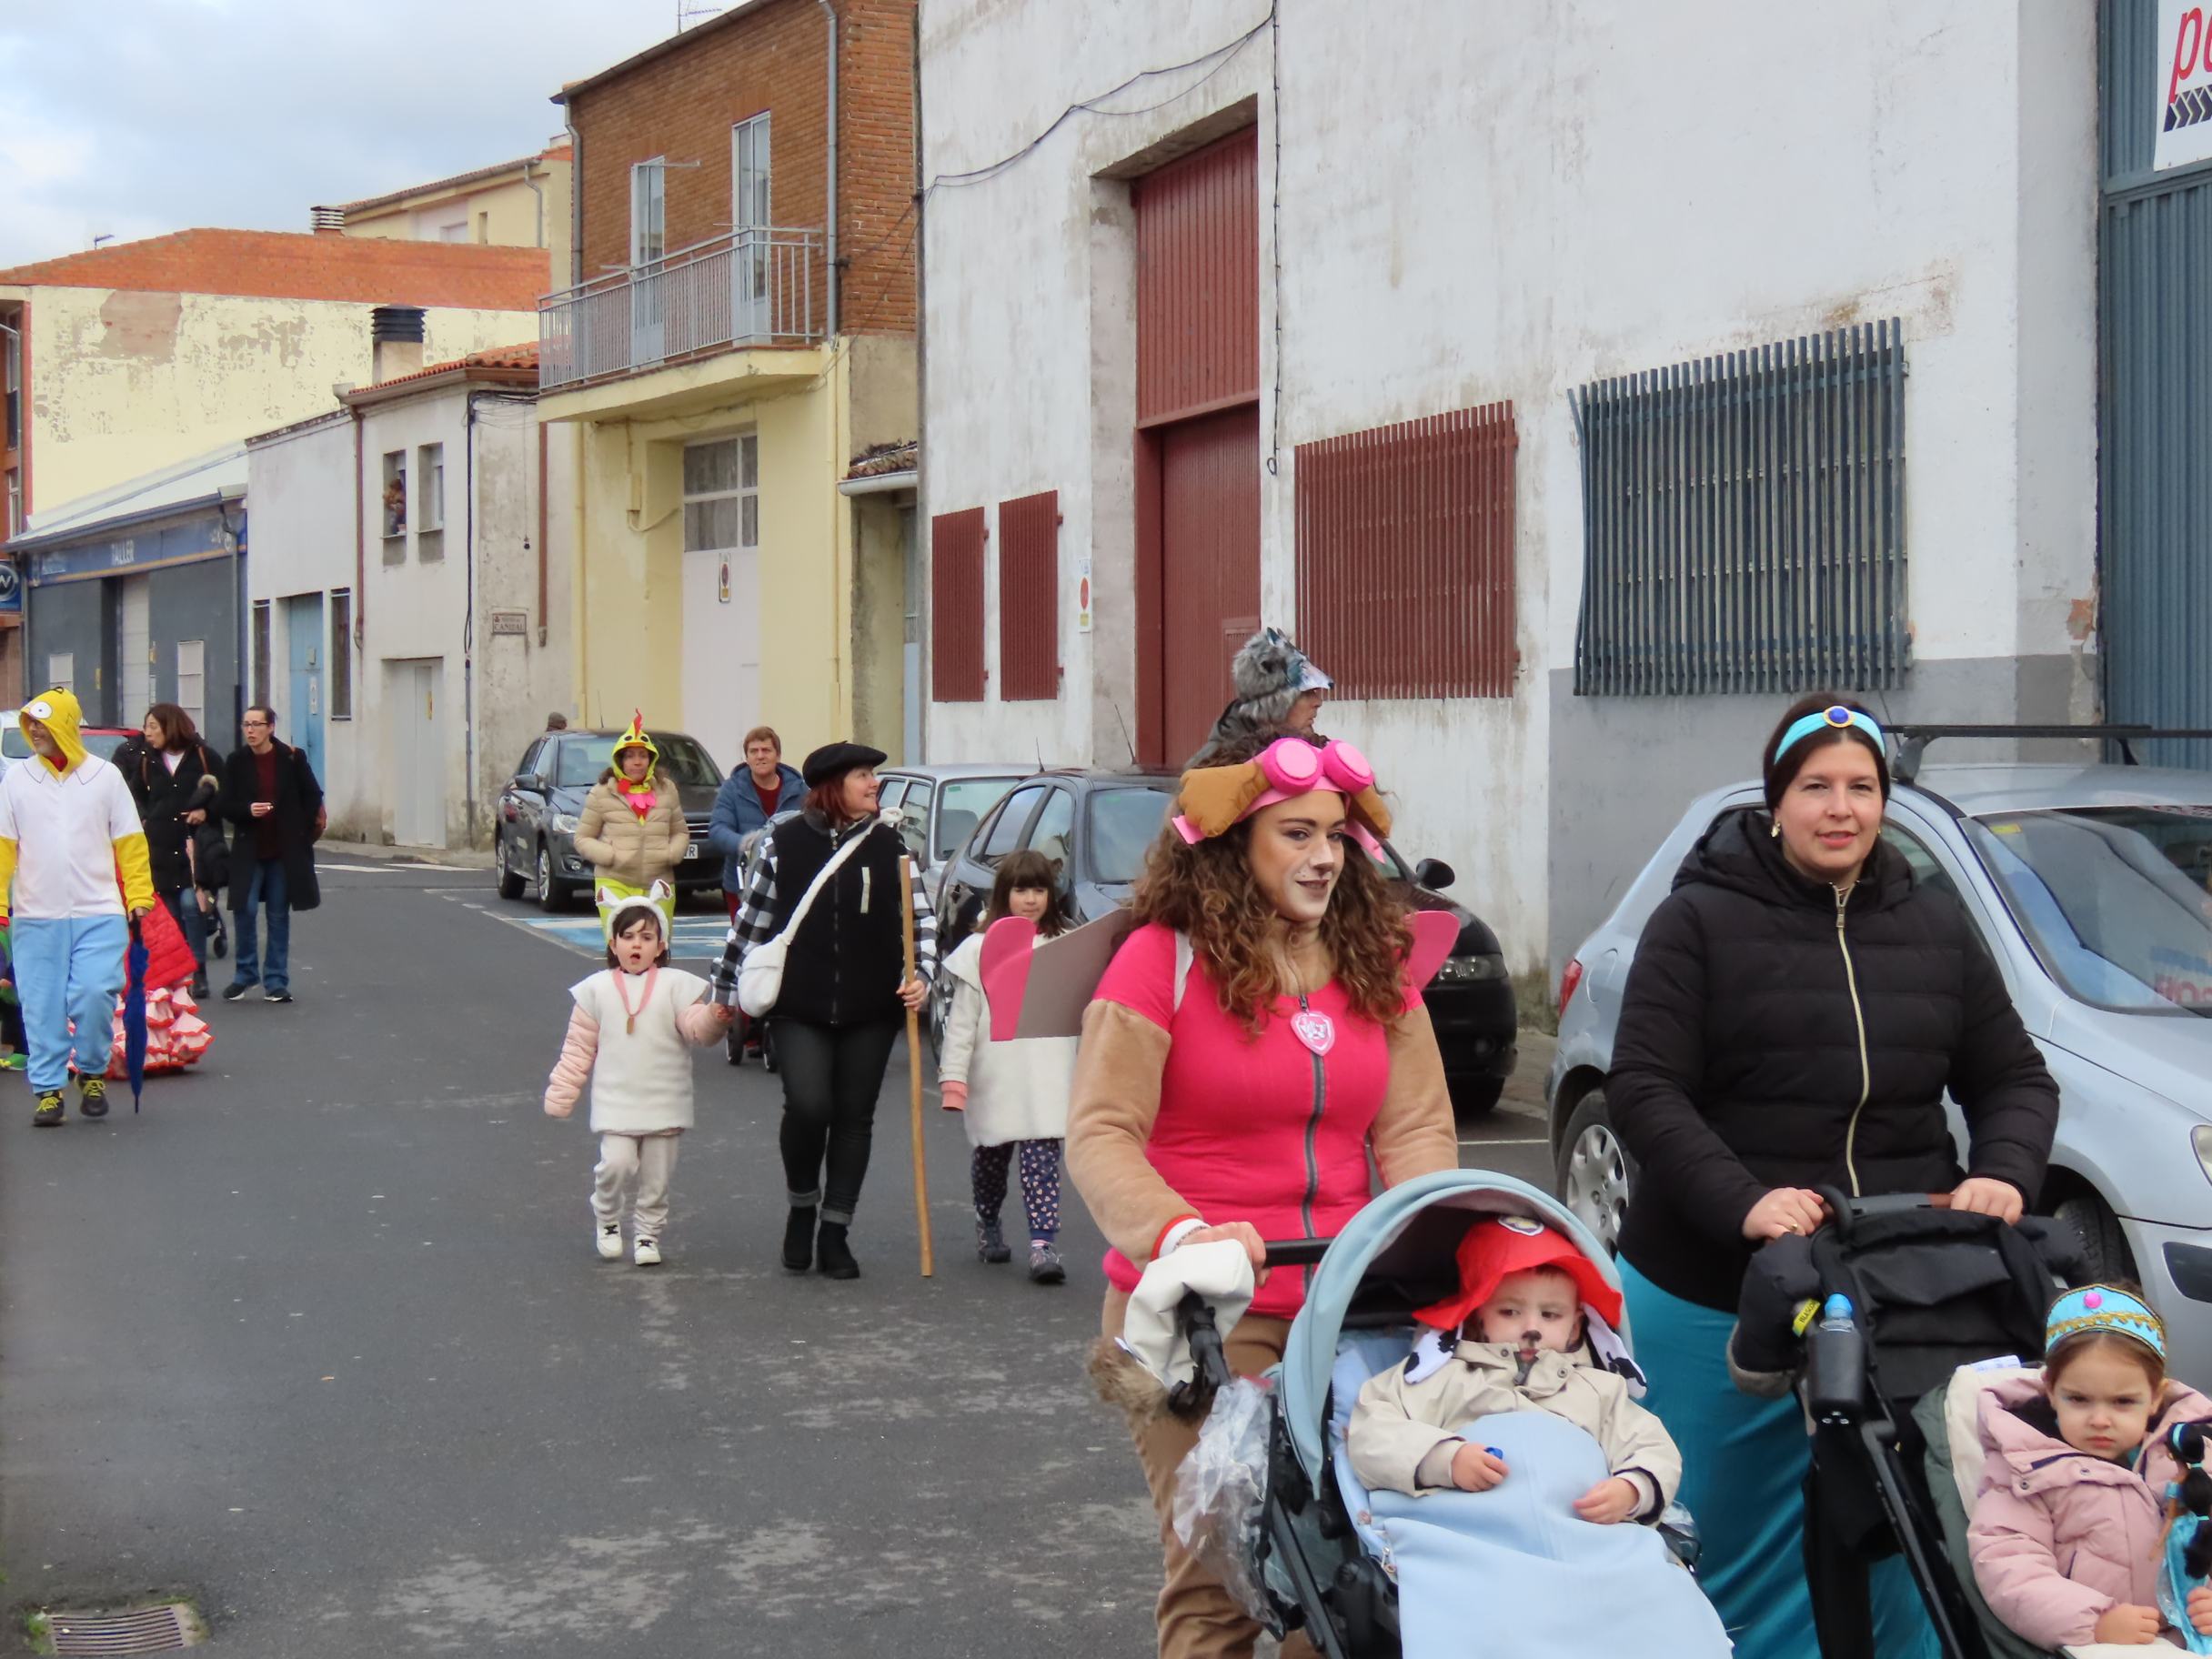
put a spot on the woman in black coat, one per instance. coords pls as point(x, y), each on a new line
point(1796, 1013)
point(177, 781)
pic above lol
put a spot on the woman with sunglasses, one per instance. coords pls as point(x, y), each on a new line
point(1255, 1039)
point(1797, 1009)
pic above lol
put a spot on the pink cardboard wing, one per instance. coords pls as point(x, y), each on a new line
point(1434, 934)
point(1042, 992)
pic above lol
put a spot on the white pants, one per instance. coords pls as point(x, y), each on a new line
point(646, 1160)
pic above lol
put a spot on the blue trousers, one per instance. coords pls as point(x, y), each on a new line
point(69, 969)
point(1744, 1463)
point(265, 889)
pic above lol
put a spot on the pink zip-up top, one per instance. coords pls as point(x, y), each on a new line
point(2059, 1536)
point(1263, 1130)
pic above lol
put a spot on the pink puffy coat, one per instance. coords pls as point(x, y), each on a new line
point(2059, 1536)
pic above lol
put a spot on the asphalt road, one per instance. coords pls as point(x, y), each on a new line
point(318, 1339)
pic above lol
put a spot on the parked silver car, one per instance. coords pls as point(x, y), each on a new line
point(940, 806)
point(2092, 887)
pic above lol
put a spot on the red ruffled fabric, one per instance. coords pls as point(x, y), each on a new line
point(175, 1035)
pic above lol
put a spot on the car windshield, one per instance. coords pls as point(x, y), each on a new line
point(960, 805)
point(1123, 823)
point(15, 745)
point(104, 743)
point(2115, 899)
point(582, 760)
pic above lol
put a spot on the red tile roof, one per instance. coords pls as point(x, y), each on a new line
point(279, 265)
point(522, 357)
point(514, 367)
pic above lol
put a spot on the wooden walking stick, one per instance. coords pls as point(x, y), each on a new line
point(914, 1066)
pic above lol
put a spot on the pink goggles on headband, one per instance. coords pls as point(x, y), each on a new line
point(1293, 767)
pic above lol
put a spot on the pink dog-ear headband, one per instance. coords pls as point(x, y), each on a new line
point(1287, 768)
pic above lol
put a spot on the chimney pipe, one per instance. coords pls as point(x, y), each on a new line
point(396, 339)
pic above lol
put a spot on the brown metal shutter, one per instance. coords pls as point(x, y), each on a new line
point(1209, 575)
point(956, 606)
point(1029, 597)
point(1405, 557)
point(1198, 281)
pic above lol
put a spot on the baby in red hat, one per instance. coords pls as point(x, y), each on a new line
point(1531, 1328)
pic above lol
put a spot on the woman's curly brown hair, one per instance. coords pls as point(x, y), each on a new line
point(1207, 892)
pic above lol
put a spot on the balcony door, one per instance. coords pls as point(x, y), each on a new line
point(648, 247)
point(752, 313)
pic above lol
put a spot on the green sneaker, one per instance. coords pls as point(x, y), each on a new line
point(49, 1111)
point(14, 1063)
point(91, 1097)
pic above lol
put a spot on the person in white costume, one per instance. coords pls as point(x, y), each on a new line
point(626, 1038)
point(69, 825)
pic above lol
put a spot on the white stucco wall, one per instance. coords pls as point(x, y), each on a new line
point(1504, 203)
point(494, 699)
point(123, 382)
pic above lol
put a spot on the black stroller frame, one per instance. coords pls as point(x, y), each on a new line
point(1951, 1289)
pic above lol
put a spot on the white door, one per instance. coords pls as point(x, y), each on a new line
point(750, 312)
point(135, 656)
point(416, 721)
point(721, 597)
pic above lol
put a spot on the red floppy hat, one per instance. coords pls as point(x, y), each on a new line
point(1495, 1249)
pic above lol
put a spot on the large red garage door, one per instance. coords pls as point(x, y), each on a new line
point(1198, 437)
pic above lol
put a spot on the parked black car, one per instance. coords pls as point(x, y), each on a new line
point(1100, 826)
point(536, 844)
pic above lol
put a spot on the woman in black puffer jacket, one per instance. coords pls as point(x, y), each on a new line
point(175, 779)
point(1797, 1010)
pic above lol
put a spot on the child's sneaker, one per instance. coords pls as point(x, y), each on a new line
point(646, 1252)
point(1045, 1266)
point(991, 1243)
point(91, 1097)
point(607, 1237)
point(49, 1111)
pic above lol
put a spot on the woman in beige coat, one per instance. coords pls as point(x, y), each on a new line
point(632, 826)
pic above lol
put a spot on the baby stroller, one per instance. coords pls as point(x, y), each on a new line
point(1929, 1292)
point(1323, 1561)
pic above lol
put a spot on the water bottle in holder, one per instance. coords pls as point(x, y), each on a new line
point(1836, 1364)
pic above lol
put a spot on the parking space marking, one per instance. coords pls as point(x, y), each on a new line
point(697, 938)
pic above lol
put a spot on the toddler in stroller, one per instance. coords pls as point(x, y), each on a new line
point(1366, 1570)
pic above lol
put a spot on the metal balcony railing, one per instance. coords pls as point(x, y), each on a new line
point(750, 287)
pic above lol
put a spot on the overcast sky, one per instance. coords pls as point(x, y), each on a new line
point(133, 117)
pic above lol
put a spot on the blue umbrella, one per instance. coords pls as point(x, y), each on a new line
point(134, 1015)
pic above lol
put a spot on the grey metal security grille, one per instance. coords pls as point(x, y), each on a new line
point(1743, 521)
point(2155, 402)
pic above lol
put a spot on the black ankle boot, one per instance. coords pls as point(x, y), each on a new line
point(798, 1239)
point(836, 1255)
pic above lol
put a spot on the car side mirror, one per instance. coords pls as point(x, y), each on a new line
point(1434, 874)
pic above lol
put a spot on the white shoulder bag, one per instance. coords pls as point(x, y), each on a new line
point(760, 978)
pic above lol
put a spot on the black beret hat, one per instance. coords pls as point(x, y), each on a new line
point(835, 760)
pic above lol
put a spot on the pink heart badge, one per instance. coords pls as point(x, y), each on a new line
point(1316, 1030)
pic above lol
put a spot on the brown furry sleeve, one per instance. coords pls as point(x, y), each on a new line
point(1414, 1132)
point(1110, 1121)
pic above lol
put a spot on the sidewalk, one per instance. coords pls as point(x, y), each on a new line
point(438, 858)
point(1524, 1089)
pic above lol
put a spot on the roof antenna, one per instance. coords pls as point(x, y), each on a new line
point(1126, 739)
point(1039, 754)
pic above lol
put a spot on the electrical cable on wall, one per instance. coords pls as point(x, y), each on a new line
point(1225, 53)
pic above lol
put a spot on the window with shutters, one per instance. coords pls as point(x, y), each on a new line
point(956, 606)
point(1405, 557)
point(1029, 597)
point(341, 654)
point(192, 680)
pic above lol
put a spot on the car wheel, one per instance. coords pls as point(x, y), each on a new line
point(510, 879)
point(1475, 1098)
point(552, 897)
point(1595, 1170)
point(2104, 1247)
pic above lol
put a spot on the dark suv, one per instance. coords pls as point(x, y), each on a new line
point(1101, 825)
point(535, 846)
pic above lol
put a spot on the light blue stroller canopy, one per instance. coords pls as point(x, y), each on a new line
point(1379, 1238)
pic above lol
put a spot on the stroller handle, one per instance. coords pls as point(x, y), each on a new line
point(1848, 1209)
point(1296, 1253)
point(1194, 1316)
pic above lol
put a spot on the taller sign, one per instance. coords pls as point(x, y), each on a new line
point(2184, 84)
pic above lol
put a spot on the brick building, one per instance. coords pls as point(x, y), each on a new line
point(739, 326)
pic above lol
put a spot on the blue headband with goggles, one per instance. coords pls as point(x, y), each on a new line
point(1833, 718)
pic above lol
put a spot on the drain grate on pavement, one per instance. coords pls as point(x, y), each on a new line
point(162, 1628)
